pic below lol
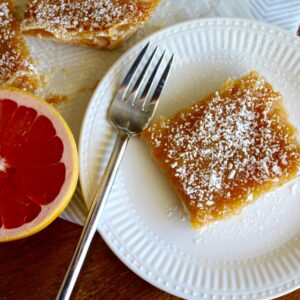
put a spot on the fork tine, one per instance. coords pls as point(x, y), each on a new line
point(162, 81)
point(155, 97)
point(137, 85)
point(150, 81)
point(129, 76)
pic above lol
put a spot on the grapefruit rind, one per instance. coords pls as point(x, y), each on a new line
point(52, 210)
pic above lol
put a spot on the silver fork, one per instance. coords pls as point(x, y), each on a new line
point(130, 113)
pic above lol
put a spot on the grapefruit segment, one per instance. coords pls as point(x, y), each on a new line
point(40, 154)
point(7, 108)
point(42, 130)
point(16, 207)
point(42, 184)
point(38, 164)
point(18, 126)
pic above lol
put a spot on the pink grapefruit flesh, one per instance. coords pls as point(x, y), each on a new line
point(38, 164)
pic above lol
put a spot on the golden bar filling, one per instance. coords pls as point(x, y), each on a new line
point(227, 149)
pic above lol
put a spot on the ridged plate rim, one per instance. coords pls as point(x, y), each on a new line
point(107, 234)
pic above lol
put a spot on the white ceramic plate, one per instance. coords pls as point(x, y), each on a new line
point(252, 256)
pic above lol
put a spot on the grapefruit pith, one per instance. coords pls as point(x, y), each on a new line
point(38, 164)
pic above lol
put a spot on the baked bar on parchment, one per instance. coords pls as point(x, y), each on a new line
point(100, 23)
point(16, 66)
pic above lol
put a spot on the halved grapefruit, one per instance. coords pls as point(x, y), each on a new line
point(38, 164)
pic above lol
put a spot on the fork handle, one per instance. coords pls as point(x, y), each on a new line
point(93, 217)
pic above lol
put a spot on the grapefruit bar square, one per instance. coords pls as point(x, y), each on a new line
point(224, 151)
point(16, 66)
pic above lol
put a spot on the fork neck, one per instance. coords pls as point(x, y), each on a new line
point(122, 136)
point(120, 144)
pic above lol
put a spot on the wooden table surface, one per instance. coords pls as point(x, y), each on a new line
point(33, 268)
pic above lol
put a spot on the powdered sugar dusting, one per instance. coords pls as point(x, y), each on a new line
point(227, 149)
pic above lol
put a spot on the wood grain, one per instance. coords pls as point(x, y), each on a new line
point(33, 269)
